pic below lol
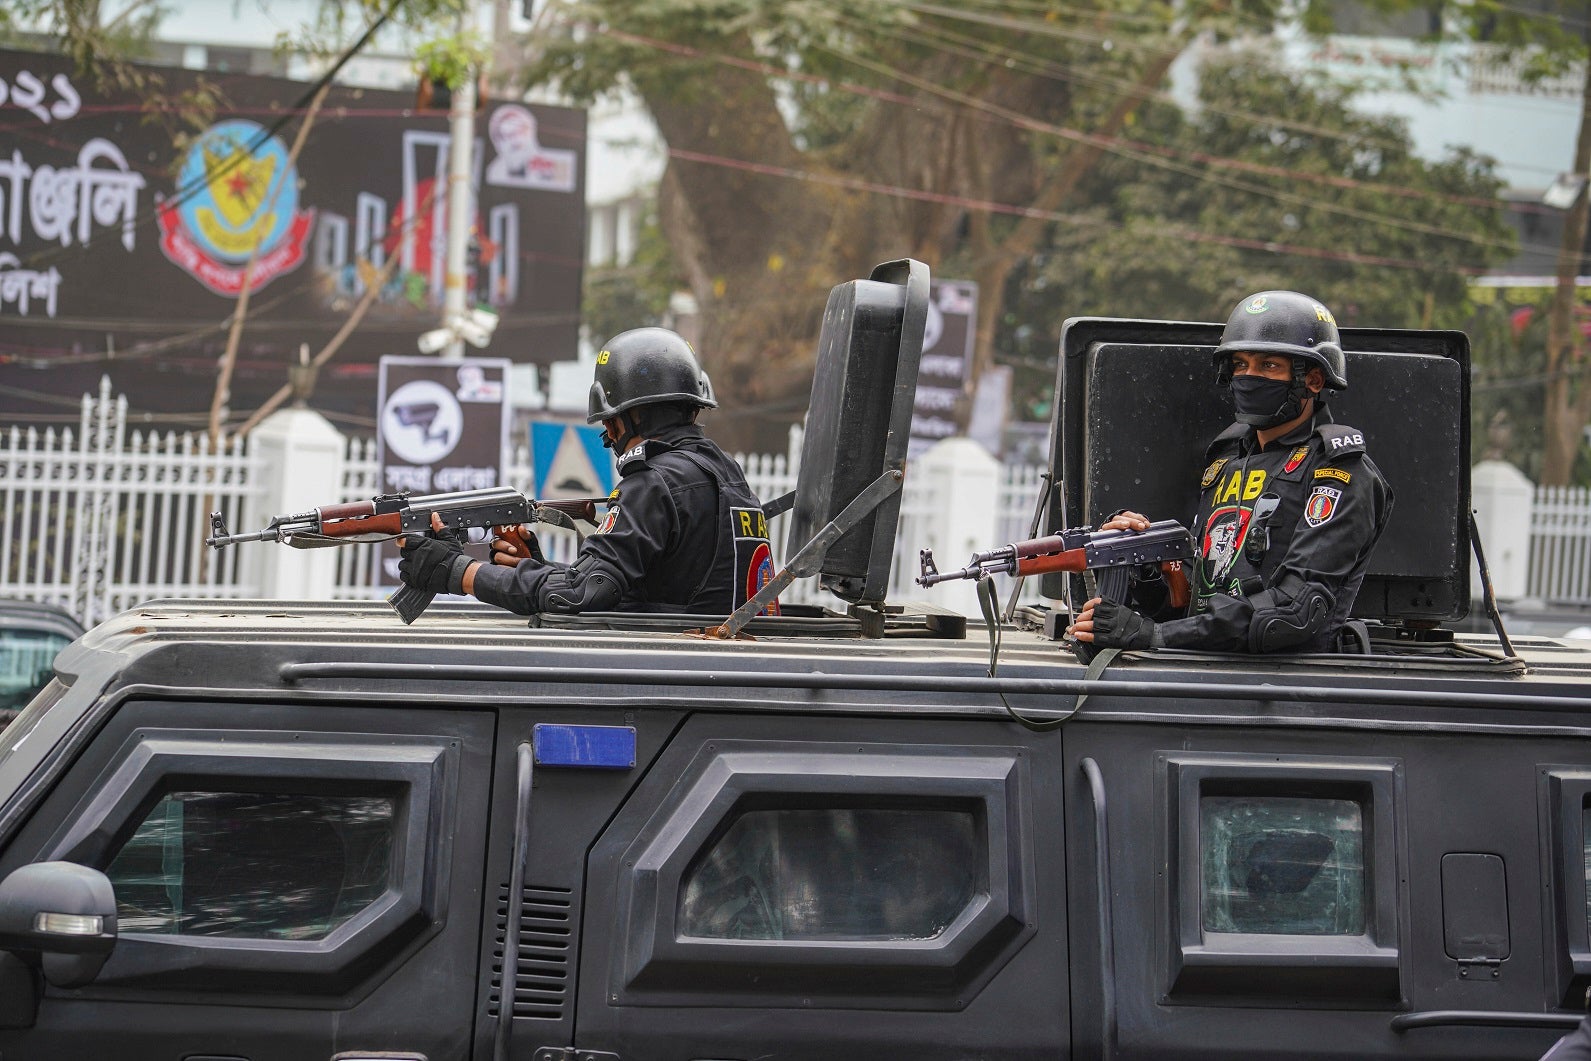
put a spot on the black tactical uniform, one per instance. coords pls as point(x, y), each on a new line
point(1576, 1046)
point(684, 534)
point(1282, 531)
point(1285, 531)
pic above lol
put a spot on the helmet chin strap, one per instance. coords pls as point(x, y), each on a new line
point(631, 433)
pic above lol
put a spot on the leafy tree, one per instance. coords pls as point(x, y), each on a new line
point(633, 295)
point(1321, 198)
point(1551, 45)
point(811, 140)
point(93, 33)
point(1542, 39)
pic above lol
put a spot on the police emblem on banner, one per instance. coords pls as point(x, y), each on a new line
point(236, 200)
point(1322, 505)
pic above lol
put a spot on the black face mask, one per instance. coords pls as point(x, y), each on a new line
point(1263, 402)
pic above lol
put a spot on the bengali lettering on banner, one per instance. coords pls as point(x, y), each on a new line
point(941, 406)
point(441, 427)
point(117, 236)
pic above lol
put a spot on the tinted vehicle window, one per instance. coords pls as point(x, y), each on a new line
point(1282, 865)
point(1585, 834)
point(253, 866)
point(835, 874)
point(26, 661)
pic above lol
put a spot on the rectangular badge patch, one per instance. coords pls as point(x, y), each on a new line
point(1332, 473)
point(753, 558)
point(1322, 505)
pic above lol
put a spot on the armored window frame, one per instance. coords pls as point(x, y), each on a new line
point(1565, 797)
point(1329, 969)
point(418, 774)
point(657, 964)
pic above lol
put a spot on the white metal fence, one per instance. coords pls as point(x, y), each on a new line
point(1560, 545)
point(99, 518)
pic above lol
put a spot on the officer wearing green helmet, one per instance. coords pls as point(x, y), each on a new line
point(683, 532)
point(1290, 503)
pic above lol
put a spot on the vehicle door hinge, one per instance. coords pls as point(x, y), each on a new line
point(571, 1053)
point(1480, 970)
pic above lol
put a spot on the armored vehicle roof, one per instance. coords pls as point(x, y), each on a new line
point(472, 654)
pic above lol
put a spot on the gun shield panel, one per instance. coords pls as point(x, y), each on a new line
point(860, 421)
point(1139, 404)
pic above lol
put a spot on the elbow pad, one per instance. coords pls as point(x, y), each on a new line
point(581, 589)
point(1281, 622)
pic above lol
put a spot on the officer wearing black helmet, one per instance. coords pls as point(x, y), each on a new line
point(683, 532)
point(1290, 503)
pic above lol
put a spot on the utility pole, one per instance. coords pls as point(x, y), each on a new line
point(460, 204)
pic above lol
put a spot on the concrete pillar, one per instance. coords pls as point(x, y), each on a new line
point(959, 489)
point(302, 458)
point(1502, 498)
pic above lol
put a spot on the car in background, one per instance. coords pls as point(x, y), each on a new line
point(31, 633)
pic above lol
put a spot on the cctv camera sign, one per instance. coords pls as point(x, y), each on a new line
point(442, 426)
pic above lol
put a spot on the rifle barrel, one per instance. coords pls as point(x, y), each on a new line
point(233, 539)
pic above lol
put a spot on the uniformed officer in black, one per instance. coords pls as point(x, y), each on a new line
point(1576, 1046)
point(683, 532)
point(1290, 505)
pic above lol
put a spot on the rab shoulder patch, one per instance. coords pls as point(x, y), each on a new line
point(1333, 473)
point(1322, 505)
point(633, 458)
point(1212, 471)
point(608, 521)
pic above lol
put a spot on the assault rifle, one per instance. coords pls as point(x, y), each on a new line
point(391, 516)
point(1111, 555)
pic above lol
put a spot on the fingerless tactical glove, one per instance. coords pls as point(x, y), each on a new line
point(1118, 626)
point(434, 564)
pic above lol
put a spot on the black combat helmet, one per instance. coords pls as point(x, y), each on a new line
point(1283, 322)
point(646, 366)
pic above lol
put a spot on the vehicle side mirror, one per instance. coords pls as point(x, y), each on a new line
point(64, 911)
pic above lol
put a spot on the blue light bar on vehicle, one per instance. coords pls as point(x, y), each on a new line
point(592, 747)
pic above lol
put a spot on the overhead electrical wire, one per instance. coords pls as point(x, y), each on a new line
point(194, 187)
point(176, 342)
point(1127, 149)
point(958, 44)
point(1116, 147)
point(1022, 25)
point(1193, 235)
point(1036, 125)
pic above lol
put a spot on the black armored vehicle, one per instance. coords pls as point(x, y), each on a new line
point(285, 831)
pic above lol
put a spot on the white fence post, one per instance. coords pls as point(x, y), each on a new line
point(1501, 496)
point(954, 511)
point(301, 466)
